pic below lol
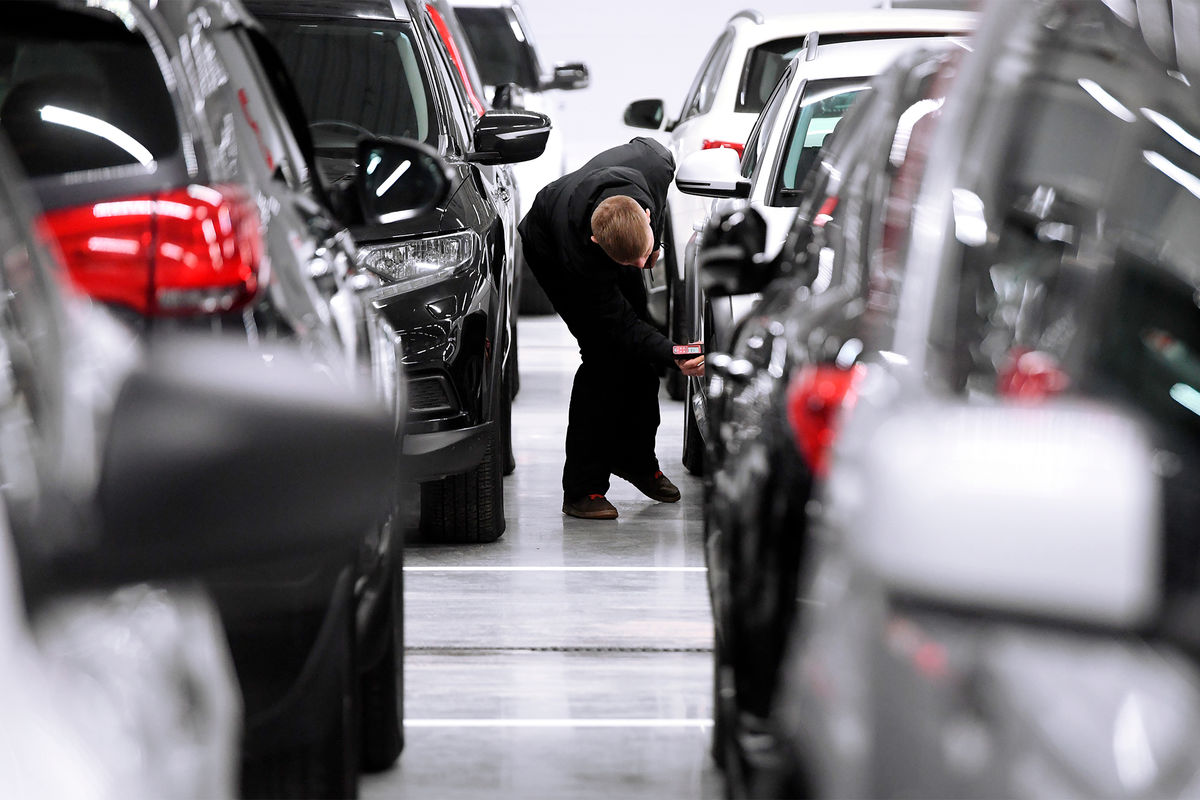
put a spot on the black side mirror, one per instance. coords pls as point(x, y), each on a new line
point(508, 96)
point(215, 458)
point(398, 179)
point(645, 114)
point(573, 75)
point(731, 255)
point(508, 137)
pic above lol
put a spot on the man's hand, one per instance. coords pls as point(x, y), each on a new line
point(652, 259)
point(693, 367)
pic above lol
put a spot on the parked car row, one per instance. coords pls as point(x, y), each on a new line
point(338, 262)
point(951, 504)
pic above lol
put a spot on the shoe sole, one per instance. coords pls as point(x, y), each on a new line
point(592, 515)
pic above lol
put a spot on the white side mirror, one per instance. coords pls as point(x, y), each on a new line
point(713, 173)
point(1050, 511)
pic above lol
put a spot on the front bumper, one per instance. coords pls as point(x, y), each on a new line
point(438, 454)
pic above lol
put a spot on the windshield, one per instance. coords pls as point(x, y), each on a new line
point(822, 107)
point(79, 92)
point(355, 79)
point(501, 50)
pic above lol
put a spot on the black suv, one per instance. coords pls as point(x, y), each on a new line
point(378, 68)
point(174, 166)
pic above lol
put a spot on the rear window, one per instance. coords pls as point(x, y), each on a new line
point(764, 66)
point(79, 91)
point(498, 44)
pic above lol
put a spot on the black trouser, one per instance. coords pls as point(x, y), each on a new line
point(612, 422)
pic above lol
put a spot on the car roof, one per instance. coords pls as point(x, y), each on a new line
point(750, 33)
point(865, 57)
point(356, 9)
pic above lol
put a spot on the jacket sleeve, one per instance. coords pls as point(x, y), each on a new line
point(606, 319)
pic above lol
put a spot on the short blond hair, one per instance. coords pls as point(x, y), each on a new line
point(619, 227)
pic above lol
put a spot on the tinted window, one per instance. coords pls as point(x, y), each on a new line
point(356, 79)
point(822, 107)
point(764, 66)
point(81, 92)
point(498, 44)
point(756, 142)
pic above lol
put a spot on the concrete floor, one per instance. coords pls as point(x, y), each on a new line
point(572, 658)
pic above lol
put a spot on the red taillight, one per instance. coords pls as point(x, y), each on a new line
point(713, 144)
point(1031, 375)
point(815, 398)
point(825, 212)
point(184, 251)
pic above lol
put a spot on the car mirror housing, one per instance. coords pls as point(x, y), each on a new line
point(509, 137)
point(713, 173)
point(399, 179)
point(508, 96)
point(217, 457)
point(1049, 511)
point(645, 114)
point(568, 75)
point(731, 256)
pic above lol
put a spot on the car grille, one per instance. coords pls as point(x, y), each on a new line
point(430, 393)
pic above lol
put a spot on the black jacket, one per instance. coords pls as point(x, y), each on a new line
point(602, 302)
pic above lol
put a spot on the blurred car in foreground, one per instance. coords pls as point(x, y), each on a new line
point(728, 94)
point(763, 468)
point(1001, 585)
point(516, 77)
point(121, 467)
point(172, 161)
point(447, 274)
point(806, 106)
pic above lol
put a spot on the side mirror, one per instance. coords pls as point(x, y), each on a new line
point(1050, 511)
point(573, 75)
point(399, 179)
point(645, 114)
point(508, 96)
point(731, 256)
point(508, 137)
point(215, 457)
point(713, 173)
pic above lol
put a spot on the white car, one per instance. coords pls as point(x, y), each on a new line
point(504, 52)
point(731, 89)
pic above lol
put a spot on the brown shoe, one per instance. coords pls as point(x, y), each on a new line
point(591, 506)
point(656, 487)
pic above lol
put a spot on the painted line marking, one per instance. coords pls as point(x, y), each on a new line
point(558, 723)
point(554, 569)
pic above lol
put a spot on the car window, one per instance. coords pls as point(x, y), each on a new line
point(355, 78)
point(462, 113)
point(763, 68)
point(821, 108)
point(498, 42)
point(756, 143)
point(83, 98)
point(700, 98)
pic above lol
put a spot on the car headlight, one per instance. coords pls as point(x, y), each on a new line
point(420, 260)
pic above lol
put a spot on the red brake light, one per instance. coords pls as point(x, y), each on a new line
point(185, 251)
point(815, 397)
point(712, 144)
point(1031, 375)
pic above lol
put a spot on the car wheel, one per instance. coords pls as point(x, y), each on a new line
point(328, 766)
point(677, 328)
point(467, 508)
point(510, 460)
point(693, 444)
point(382, 684)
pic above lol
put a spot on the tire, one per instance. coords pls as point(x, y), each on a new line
point(693, 444)
point(382, 684)
point(328, 767)
point(510, 460)
point(467, 508)
point(677, 328)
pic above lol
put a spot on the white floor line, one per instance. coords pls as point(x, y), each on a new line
point(558, 723)
point(553, 569)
